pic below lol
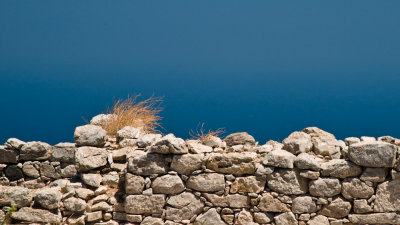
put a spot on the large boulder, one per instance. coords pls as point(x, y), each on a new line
point(168, 184)
point(232, 163)
point(279, 158)
point(49, 198)
point(325, 187)
point(270, 204)
point(35, 150)
point(373, 154)
point(209, 182)
point(297, 142)
point(144, 204)
point(340, 168)
point(187, 163)
point(36, 216)
point(16, 196)
point(184, 207)
point(211, 217)
point(388, 197)
point(147, 163)
point(355, 188)
point(90, 135)
point(240, 138)
point(88, 158)
point(250, 184)
point(287, 181)
point(169, 144)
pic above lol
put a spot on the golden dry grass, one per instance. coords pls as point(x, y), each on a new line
point(202, 135)
point(130, 112)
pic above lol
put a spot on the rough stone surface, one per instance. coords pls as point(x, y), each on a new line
point(338, 208)
point(287, 181)
point(92, 179)
point(373, 154)
point(35, 150)
point(90, 135)
point(134, 184)
point(307, 161)
point(144, 163)
point(355, 188)
point(187, 163)
point(374, 174)
point(233, 163)
point(75, 205)
point(63, 152)
point(297, 142)
point(233, 201)
point(49, 198)
point(143, 204)
point(361, 206)
point(388, 196)
point(16, 196)
point(168, 184)
point(128, 132)
point(211, 217)
point(279, 158)
point(170, 144)
point(210, 182)
point(287, 218)
point(319, 220)
point(101, 119)
point(184, 207)
point(375, 218)
point(240, 138)
point(8, 155)
point(340, 168)
point(270, 204)
point(248, 184)
point(325, 187)
point(88, 158)
point(197, 147)
point(36, 216)
point(303, 204)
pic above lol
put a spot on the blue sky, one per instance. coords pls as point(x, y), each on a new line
point(265, 67)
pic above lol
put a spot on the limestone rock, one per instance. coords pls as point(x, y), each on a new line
point(84, 193)
point(134, 184)
point(152, 221)
point(287, 181)
point(209, 182)
point(244, 217)
point(92, 179)
point(324, 143)
point(35, 150)
point(232, 163)
point(361, 206)
point(168, 184)
point(262, 218)
point(355, 188)
point(325, 187)
point(286, 218)
point(214, 142)
point(187, 163)
point(318, 220)
point(16, 196)
point(307, 161)
point(279, 158)
point(196, 147)
point(169, 144)
point(338, 208)
point(147, 140)
point(211, 217)
point(13, 173)
point(373, 154)
point(75, 205)
point(184, 207)
point(90, 135)
point(232, 201)
point(36, 216)
point(248, 184)
point(143, 204)
point(94, 216)
point(30, 170)
point(145, 163)
point(47, 170)
point(297, 142)
point(312, 175)
point(8, 155)
point(48, 198)
point(303, 204)
point(375, 218)
point(374, 174)
point(270, 204)
point(351, 140)
point(101, 119)
point(240, 138)
point(64, 152)
point(128, 132)
point(388, 196)
point(88, 158)
point(340, 168)
point(14, 143)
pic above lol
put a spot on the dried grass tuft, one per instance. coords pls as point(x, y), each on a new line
point(130, 112)
point(202, 135)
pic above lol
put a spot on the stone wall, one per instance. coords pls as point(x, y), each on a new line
point(149, 179)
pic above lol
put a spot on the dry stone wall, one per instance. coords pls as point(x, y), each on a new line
point(149, 179)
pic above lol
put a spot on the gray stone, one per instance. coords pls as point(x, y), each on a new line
point(168, 184)
point(111, 179)
point(279, 158)
point(287, 181)
point(94, 216)
point(147, 140)
point(355, 188)
point(88, 158)
point(338, 208)
point(143, 204)
point(374, 174)
point(375, 218)
point(144, 163)
point(134, 184)
point(340, 168)
point(307, 161)
point(270, 204)
point(303, 204)
point(196, 147)
point(35, 150)
point(101, 119)
point(84, 193)
point(129, 132)
point(13, 172)
point(64, 152)
point(30, 170)
point(325, 187)
point(351, 140)
point(187, 163)
point(184, 207)
point(8, 155)
point(209, 182)
point(388, 197)
point(312, 175)
point(92, 179)
point(47, 170)
point(297, 142)
point(68, 171)
point(169, 144)
point(14, 143)
point(232, 163)
point(250, 184)
point(36, 216)
point(211, 217)
point(286, 218)
point(49, 198)
point(373, 154)
point(16, 196)
point(240, 138)
point(90, 135)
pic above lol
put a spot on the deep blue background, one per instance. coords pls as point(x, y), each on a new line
point(265, 67)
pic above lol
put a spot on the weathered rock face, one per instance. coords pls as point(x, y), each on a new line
point(270, 204)
point(16, 196)
point(8, 155)
point(36, 150)
point(168, 184)
point(90, 135)
point(297, 142)
point(375, 218)
point(233, 201)
point(144, 163)
point(36, 216)
point(143, 204)
point(373, 154)
point(211, 217)
point(307, 161)
point(304, 204)
point(288, 182)
point(169, 144)
point(338, 208)
point(184, 207)
point(388, 196)
point(88, 158)
point(240, 138)
point(355, 188)
point(128, 132)
point(49, 198)
point(209, 182)
point(187, 163)
point(233, 163)
point(134, 184)
point(279, 158)
point(75, 205)
point(64, 152)
point(251, 184)
point(325, 187)
point(285, 219)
